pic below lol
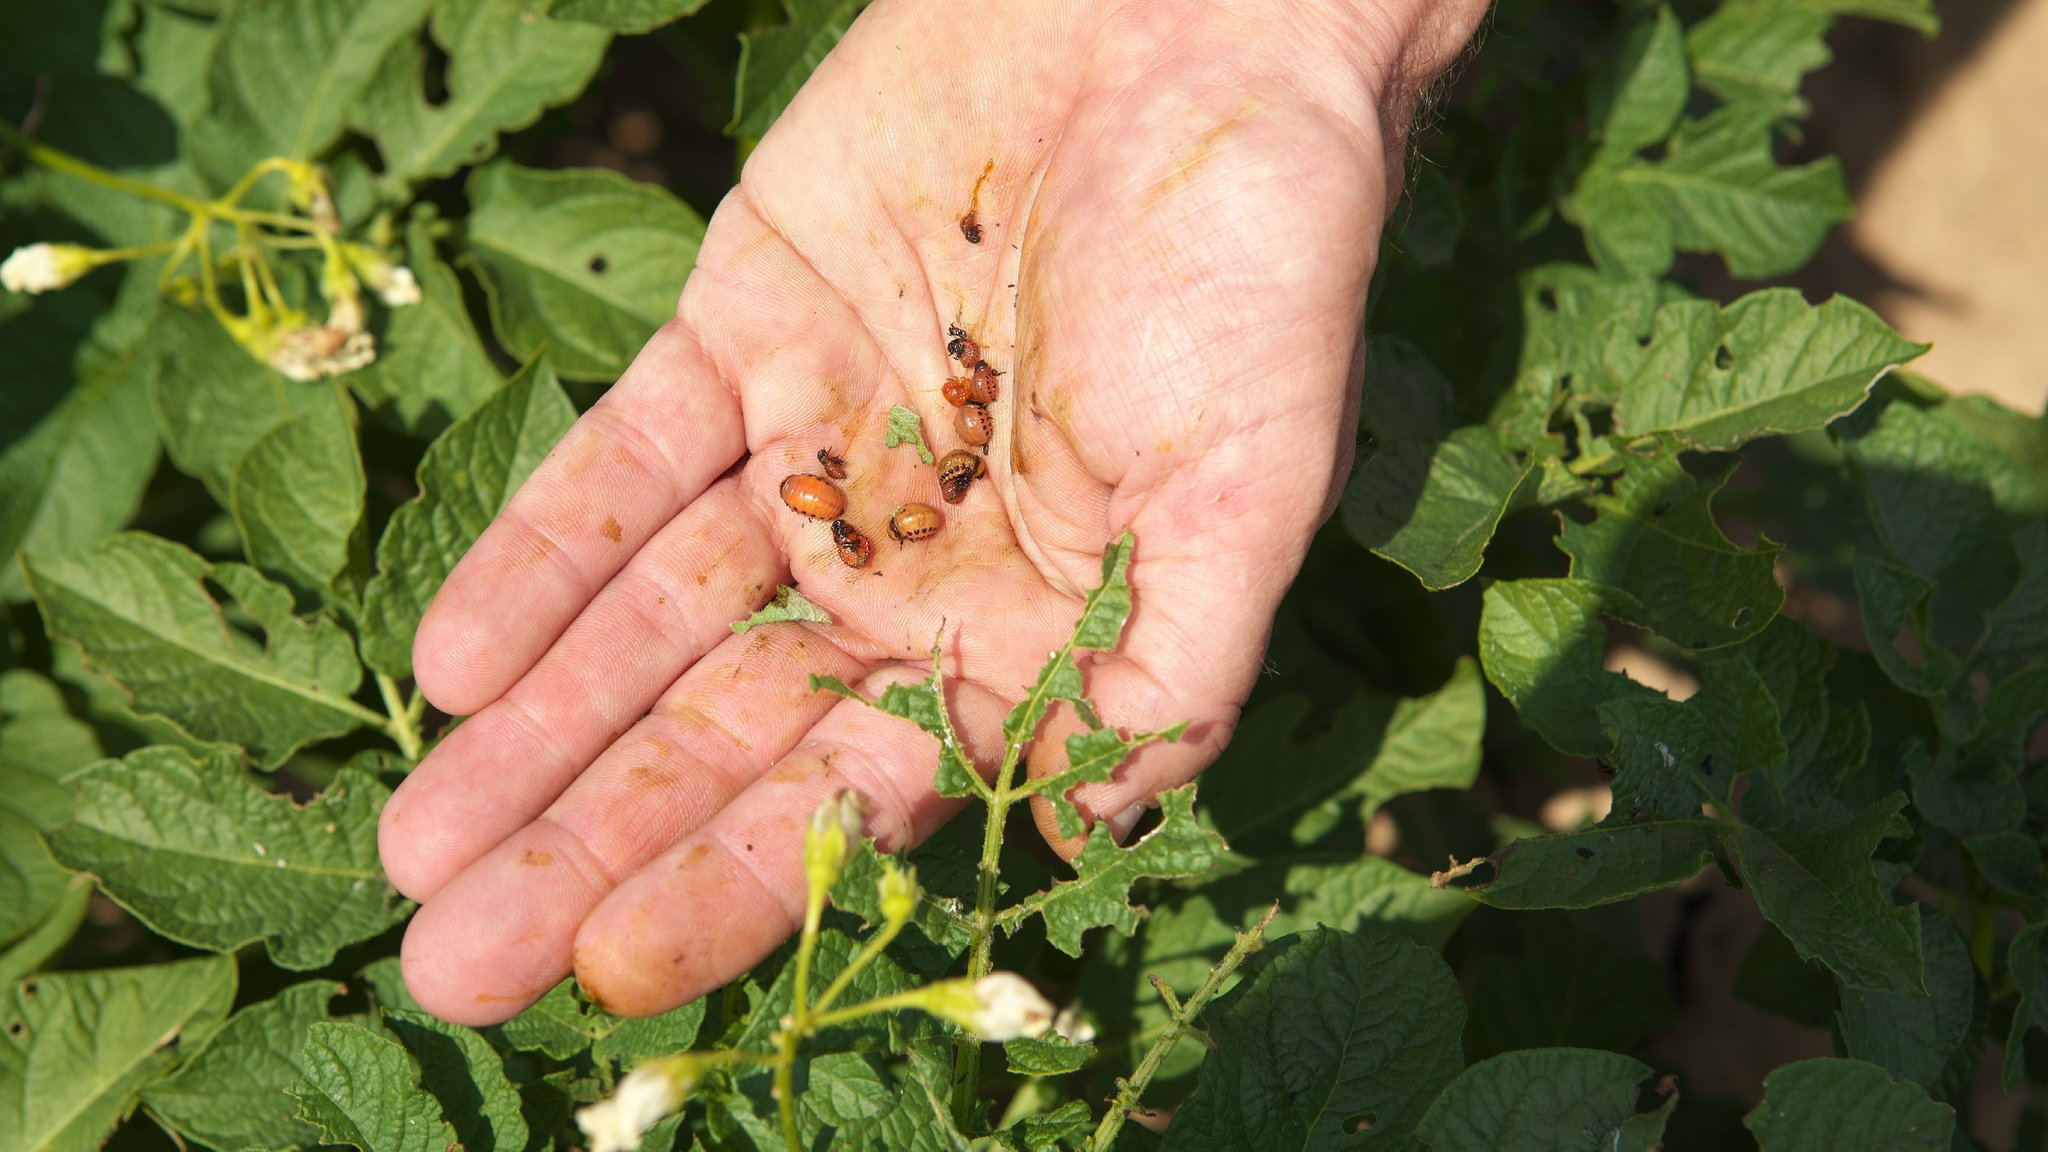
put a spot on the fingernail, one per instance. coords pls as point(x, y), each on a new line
point(1120, 825)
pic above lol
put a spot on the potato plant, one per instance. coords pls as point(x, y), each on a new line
point(298, 299)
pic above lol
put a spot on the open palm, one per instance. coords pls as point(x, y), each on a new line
point(1178, 224)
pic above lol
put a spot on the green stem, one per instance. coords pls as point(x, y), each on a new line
point(914, 998)
point(91, 173)
point(401, 722)
point(982, 933)
point(1178, 1024)
point(862, 959)
point(785, 1085)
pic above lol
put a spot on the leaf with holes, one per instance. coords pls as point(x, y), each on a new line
point(1100, 892)
point(584, 261)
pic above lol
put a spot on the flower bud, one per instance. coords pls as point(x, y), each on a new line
point(643, 1098)
point(999, 1006)
point(898, 888)
point(835, 829)
point(392, 282)
point(46, 267)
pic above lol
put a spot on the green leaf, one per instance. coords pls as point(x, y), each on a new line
point(1546, 1098)
point(285, 73)
point(214, 402)
point(231, 1094)
point(585, 261)
point(363, 1090)
point(1432, 507)
point(138, 608)
point(465, 478)
point(1655, 538)
point(80, 1045)
point(1049, 1130)
point(461, 1070)
point(1567, 311)
point(31, 884)
point(207, 858)
point(944, 920)
point(1052, 1055)
point(1816, 884)
point(1101, 626)
point(1716, 189)
point(559, 1024)
point(2027, 963)
point(1639, 93)
point(1826, 745)
point(60, 922)
point(1926, 484)
point(1330, 1030)
point(1565, 986)
point(1824, 1104)
point(1092, 757)
point(42, 749)
point(81, 445)
point(906, 428)
point(1891, 596)
point(1767, 364)
point(906, 964)
point(431, 368)
point(1919, 1038)
point(775, 62)
point(1670, 756)
point(1918, 15)
point(788, 604)
point(2016, 629)
point(1758, 51)
point(1598, 865)
point(1100, 892)
point(925, 706)
point(1544, 646)
point(630, 17)
point(506, 63)
point(297, 497)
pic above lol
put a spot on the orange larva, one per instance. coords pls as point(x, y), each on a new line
point(975, 424)
point(981, 387)
point(957, 471)
point(956, 390)
point(833, 465)
point(914, 522)
point(854, 548)
point(813, 496)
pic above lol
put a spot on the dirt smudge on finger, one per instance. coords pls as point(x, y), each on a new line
point(533, 859)
point(610, 530)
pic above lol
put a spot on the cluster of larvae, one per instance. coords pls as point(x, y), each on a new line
point(820, 499)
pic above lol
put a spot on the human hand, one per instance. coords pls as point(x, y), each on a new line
point(1179, 223)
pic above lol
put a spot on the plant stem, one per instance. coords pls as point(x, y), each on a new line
point(785, 1084)
point(982, 934)
point(866, 956)
point(91, 173)
point(402, 722)
point(1178, 1025)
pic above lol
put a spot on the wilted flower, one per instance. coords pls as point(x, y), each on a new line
point(317, 351)
point(999, 1006)
point(46, 267)
point(644, 1097)
point(835, 829)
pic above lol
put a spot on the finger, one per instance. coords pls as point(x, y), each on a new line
point(668, 429)
point(498, 936)
point(715, 904)
point(492, 775)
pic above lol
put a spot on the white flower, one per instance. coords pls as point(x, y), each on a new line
point(45, 267)
point(1072, 1026)
point(399, 290)
point(644, 1097)
point(999, 1006)
point(1010, 1007)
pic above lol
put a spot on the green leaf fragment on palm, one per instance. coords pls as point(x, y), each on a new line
point(906, 428)
point(787, 604)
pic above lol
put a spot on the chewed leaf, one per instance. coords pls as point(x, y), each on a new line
point(1100, 627)
point(906, 428)
point(1092, 757)
point(925, 706)
point(789, 604)
point(1100, 892)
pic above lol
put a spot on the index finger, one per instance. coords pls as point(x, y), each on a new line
point(652, 445)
